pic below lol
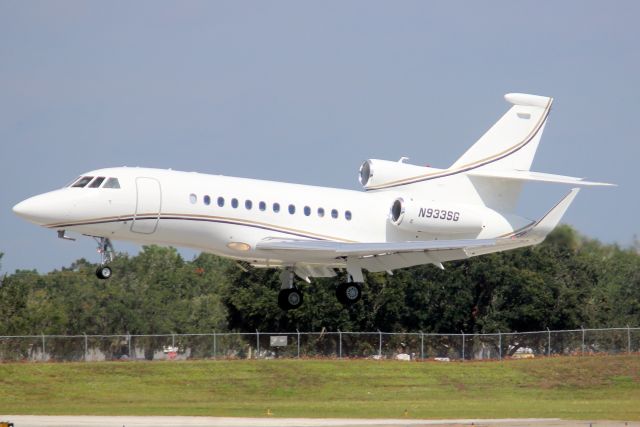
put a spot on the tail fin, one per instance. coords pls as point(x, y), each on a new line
point(512, 142)
point(510, 145)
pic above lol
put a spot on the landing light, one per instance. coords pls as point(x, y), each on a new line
point(239, 246)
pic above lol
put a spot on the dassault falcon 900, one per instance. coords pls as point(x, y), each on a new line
point(407, 215)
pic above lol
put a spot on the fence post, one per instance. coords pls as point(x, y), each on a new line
point(380, 344)
point(173, 340)
point(257, 344)
point(85, 346)
point(549, 338)
point(298, 332)
point(462, 345)
point(500, 343)
point(582, 327)
point(421, 345)
point(214, 345)
point(339, 344)
point(628, 339)
point(43, 346)
point(129, 344)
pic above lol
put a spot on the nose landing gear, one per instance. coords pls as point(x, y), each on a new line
point(105, 249)
point(103, 272)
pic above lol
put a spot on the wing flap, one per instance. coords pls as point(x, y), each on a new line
point(341, 249)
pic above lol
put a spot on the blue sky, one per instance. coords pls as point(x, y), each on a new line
point(306, 91)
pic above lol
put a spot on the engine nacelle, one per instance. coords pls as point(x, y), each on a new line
point(374, 173)
point(438, 217)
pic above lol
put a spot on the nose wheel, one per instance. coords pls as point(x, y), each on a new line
point(103, 272)
point(105, 249)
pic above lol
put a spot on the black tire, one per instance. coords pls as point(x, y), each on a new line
point(103, 272)
point(349, 293)
point(289, 299)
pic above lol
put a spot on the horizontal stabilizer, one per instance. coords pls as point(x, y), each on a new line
point(522, 175)
point(527, 100)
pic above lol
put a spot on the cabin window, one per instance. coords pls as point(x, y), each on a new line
point(221, 201)
point(262, 206)
point(307, 211)
point(320, 212)
point(347, 215)
point(292, 209)
point(248, 204)
point(234, 203)
point(276, 207)
point(193, 198)
point(112, 183)
point(334, 213)
point(207, 200)
point(96, 182)
point(82, 181)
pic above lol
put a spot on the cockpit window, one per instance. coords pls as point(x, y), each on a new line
point(96, 182)
point(82, 181)
point(112, 183)
point(73, 182)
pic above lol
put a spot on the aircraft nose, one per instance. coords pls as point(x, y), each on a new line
point(37, 209)
point(28, 209)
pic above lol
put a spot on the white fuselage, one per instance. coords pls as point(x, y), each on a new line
point(228, 216)
point(409, 215)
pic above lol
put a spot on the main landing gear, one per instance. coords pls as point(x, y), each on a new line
point(349, 293)
point(105, 249)
point(290, 297)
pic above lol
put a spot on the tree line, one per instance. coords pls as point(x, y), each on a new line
point(566, 282)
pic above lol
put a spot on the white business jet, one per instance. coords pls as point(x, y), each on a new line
point(407, 215)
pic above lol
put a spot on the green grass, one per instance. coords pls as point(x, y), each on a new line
point(603, 387)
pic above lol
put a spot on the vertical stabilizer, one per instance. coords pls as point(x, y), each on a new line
point(512, 141)
point(510, 144)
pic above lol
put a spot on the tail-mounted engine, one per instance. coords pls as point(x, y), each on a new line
point(376, 173)
point(436, 218)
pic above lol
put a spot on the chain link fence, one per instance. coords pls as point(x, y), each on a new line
point(355, 345)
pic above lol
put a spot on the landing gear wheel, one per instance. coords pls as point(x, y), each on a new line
point(289, 299)
point(103, 272)
point(349, 293)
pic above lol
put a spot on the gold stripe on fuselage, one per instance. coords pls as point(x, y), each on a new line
point(168, 216)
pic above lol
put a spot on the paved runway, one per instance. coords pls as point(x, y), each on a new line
point(133, 421)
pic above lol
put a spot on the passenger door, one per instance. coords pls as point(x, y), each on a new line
point(148, 205)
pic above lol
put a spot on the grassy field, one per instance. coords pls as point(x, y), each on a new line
point(603, 387)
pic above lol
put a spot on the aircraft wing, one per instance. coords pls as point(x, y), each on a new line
point(377, 256)
point(341, 249)
point(386, 256)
